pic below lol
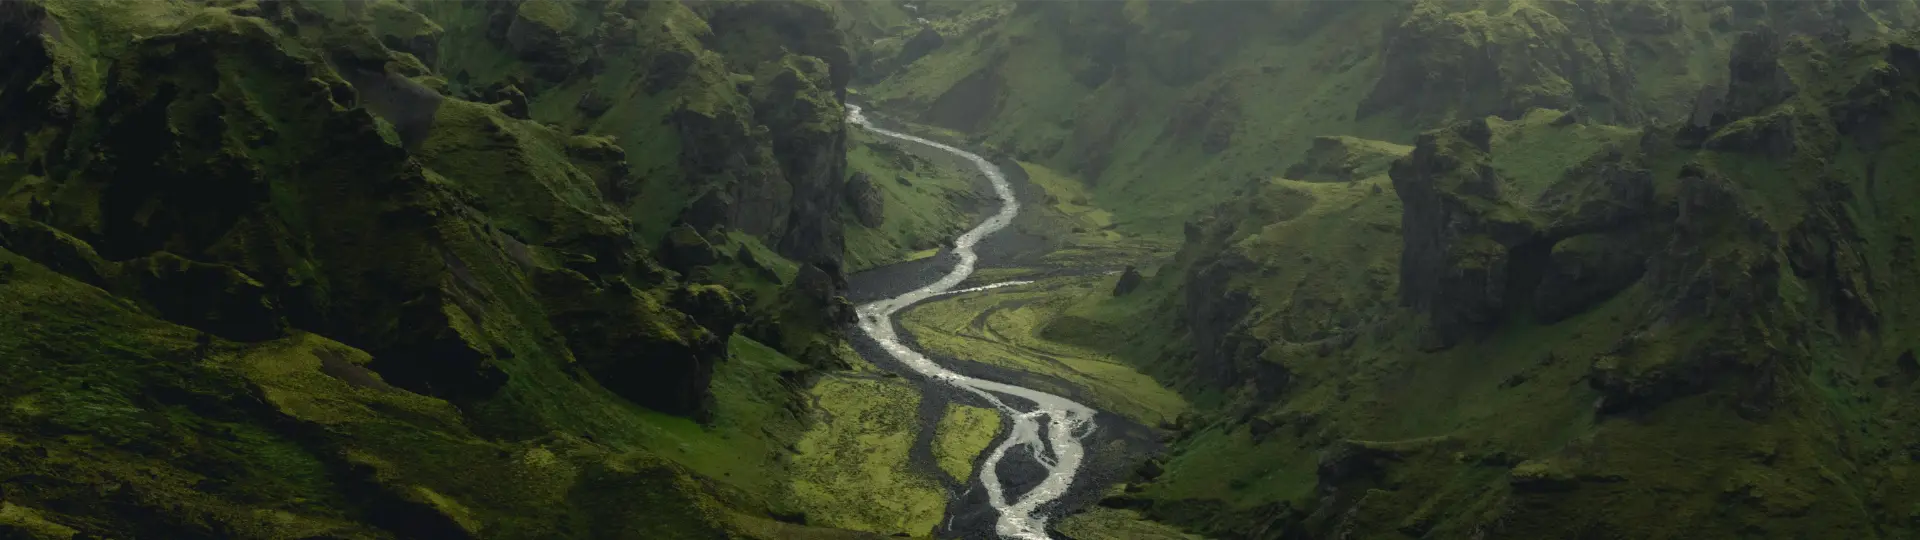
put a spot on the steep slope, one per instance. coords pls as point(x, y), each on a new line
point(268, 275)
point(1542, 329)
point(1168, 107)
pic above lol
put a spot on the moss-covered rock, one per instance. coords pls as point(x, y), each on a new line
point(1459, 232)
point(633, 345)
point(1345, 159)
point(1686, 327)
point(865, 199)
point(266, 278)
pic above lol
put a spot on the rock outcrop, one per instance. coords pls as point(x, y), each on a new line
point(1129, 280)
point(1345, 159)
point(1460, 234)
point(865, 199)
point(922, 43)
point(652, 355)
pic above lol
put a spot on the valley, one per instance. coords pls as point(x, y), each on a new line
point(959, 270)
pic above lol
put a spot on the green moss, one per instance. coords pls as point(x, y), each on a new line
point(962, 434)
point(1101, 523)
point(1002, 327)
point(852, 469)
point(940, 198)
point(555, 15)
point(28, 524)
point(393, 17)
point(1531, 153)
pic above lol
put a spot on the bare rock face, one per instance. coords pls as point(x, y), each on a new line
point(922, 43)
point(684, 249)
point(1584, 270)
point(654, 356)
point(1129, 280)
point(1459, 234)
point(864, 197)
point(1756, 80)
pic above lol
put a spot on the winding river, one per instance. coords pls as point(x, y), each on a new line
point(1050, 431)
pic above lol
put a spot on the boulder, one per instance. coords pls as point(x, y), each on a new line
point(865, 200)
point(815, 284)
point(593, 104)
point(684, 249)
point(746, 258)
point(713, 306)
point(510, 99)
point(922, 43)
point(1129, 280)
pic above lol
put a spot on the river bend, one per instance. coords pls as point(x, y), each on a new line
point(1050, 431)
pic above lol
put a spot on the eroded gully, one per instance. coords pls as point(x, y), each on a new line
point(1056, 448)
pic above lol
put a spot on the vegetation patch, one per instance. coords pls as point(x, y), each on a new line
point(1000, 327)
point(927, 198)
point(964, 432)
point(853, 469)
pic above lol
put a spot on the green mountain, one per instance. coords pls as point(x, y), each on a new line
point(1168, 106)
point(1479, 269)
point(1458, 269)
point(376, 269)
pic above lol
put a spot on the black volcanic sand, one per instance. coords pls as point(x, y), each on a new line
point(1114, 449)
point(1027, 240)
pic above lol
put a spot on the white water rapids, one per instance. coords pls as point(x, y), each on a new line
point(1058, 449)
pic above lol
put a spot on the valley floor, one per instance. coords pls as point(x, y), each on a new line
point(887, 455)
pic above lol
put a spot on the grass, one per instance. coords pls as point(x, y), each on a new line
point(1531, 154)
point(940, 198)
point(752, 424)
point(1101, 523)
point(1000, 327)
point(852, 469)
point(962, 434)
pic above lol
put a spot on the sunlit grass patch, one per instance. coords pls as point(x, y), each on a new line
point(852, 470)
point(963, 433)
point(1001, 328)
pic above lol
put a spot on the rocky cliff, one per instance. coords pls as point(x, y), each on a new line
point(382, 269)
point(1540, 327)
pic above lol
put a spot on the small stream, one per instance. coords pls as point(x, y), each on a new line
point(1050, 432)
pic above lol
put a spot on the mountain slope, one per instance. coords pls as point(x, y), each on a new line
point(437, 269)
point(1563, 330)
point(1169, 107)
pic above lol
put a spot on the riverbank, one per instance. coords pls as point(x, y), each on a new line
point(1117, 444)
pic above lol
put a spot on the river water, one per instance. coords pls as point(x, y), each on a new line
point(1050, 431)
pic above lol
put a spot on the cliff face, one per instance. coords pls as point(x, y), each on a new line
point(1543, 327)
point(284, 259)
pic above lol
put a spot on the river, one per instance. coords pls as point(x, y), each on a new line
point(1051, 431)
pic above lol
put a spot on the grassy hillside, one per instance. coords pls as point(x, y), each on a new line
point(416, 269)
point(1680, 331)
point(916, 200)
point(1472, 269)
point(1168, 107)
